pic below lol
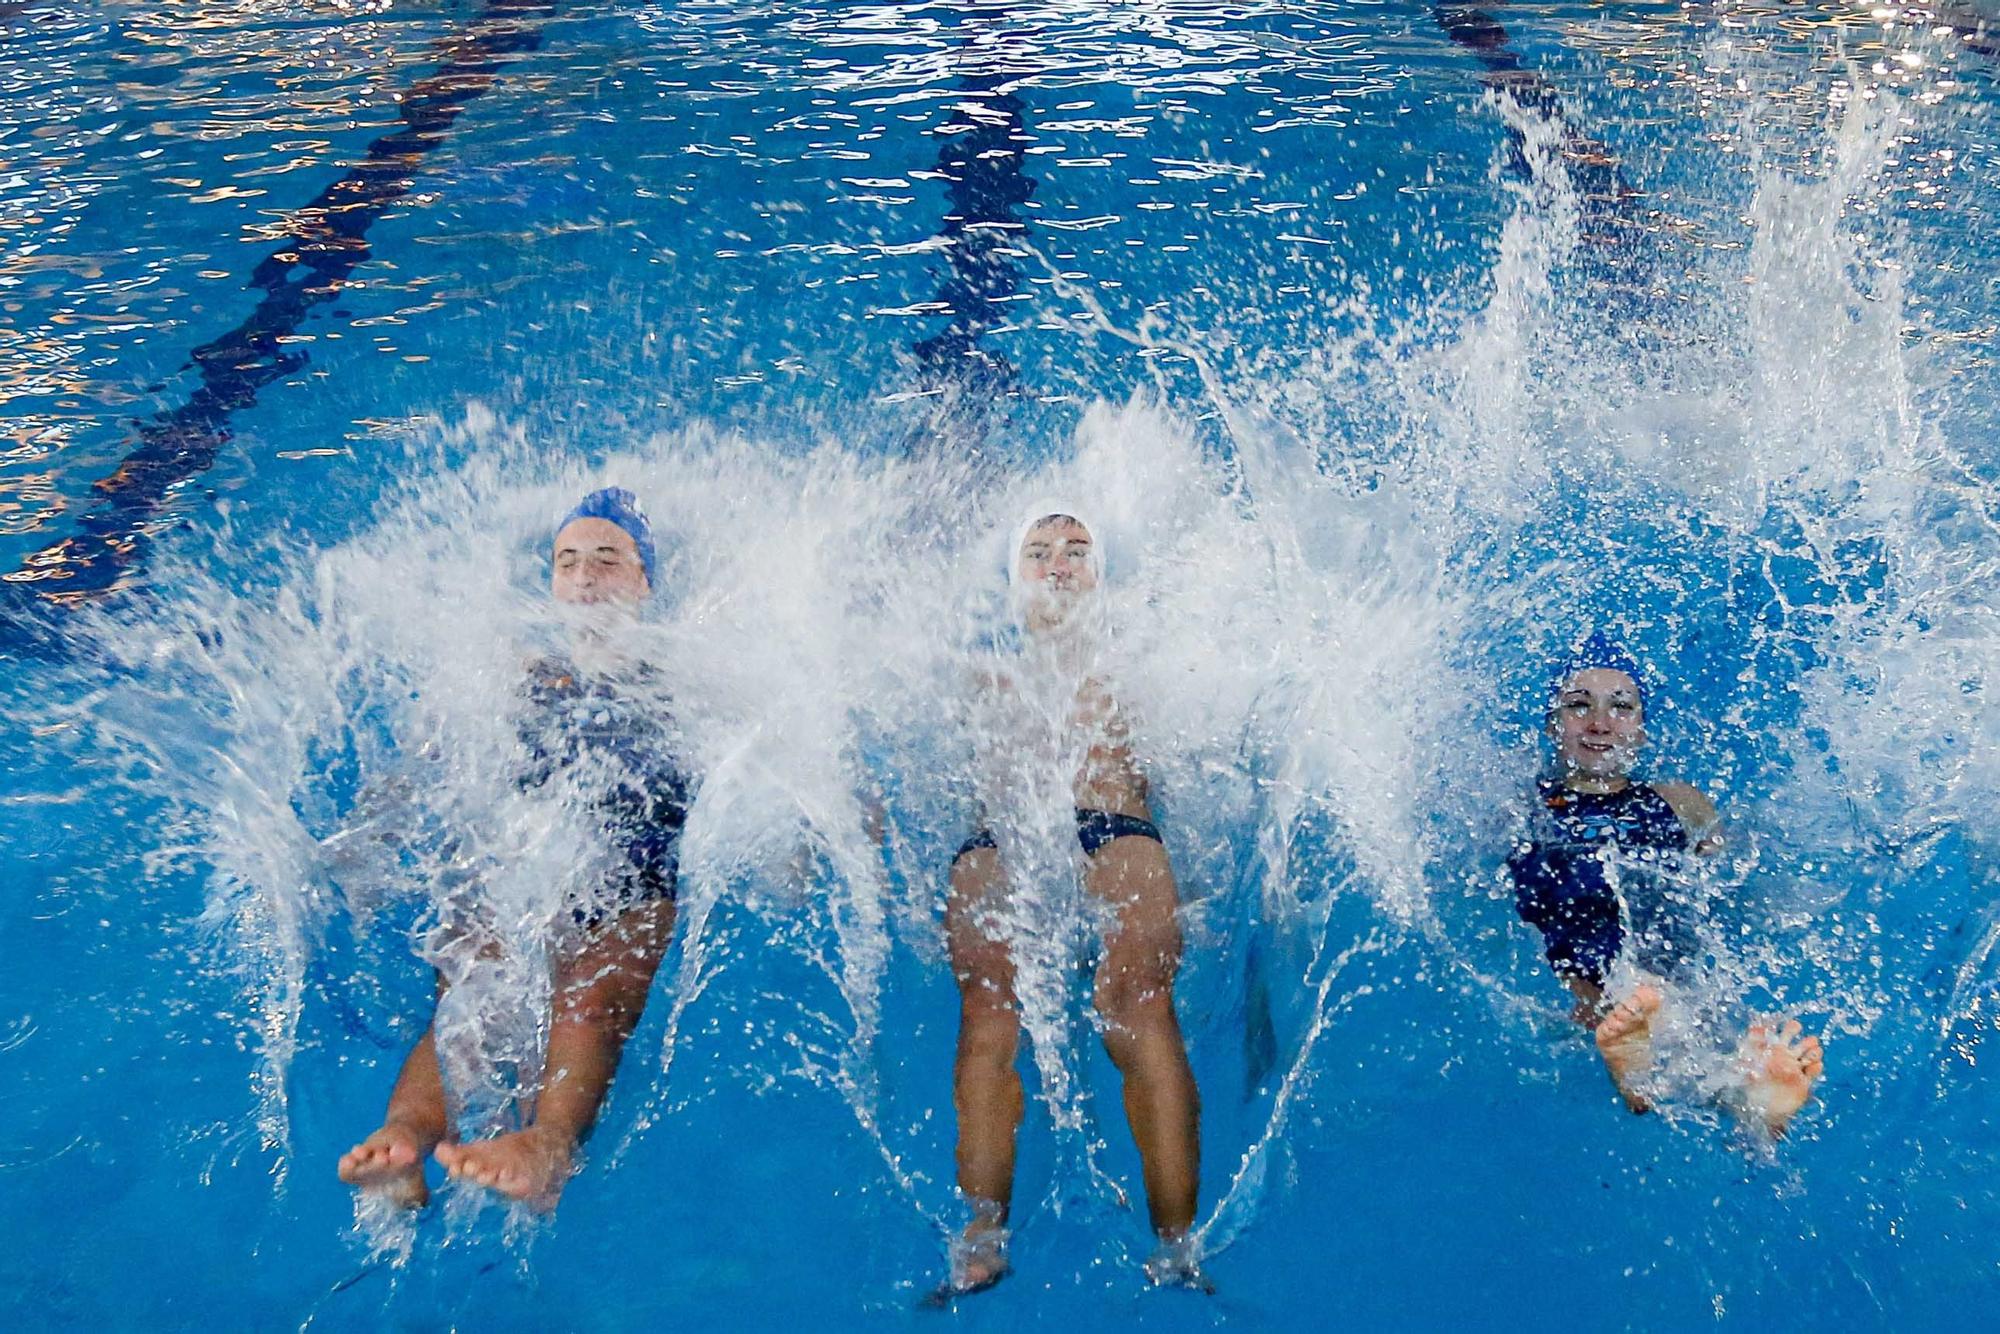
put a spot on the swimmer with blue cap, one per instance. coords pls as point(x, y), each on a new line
point(1593, 874)
point(602, 554)
point(604, 551)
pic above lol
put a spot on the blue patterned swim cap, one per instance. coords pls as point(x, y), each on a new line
point(1601, 652)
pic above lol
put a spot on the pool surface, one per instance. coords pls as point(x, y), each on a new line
point(1395, 344)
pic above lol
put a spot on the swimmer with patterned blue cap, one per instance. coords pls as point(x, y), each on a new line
point(1595, 875)
point(592, 738)
point(600, 546)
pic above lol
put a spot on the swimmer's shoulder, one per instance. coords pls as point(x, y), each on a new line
point(1696, 812)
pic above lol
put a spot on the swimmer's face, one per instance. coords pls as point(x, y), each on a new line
point(1597, 723)
point(1055, 567)
point(596, 561)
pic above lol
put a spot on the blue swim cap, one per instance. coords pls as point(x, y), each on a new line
point(1601, 652)
point(617, 505)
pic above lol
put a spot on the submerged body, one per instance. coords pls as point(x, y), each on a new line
point(1601, 875)
point(1125, 869)
point(606, 953)
point(1594, 861)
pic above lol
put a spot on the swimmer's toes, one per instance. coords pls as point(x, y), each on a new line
point(966, 1284)
point(1630, 1016)
point(1179, 1273)
point(388, 1168)
point(384, 1155)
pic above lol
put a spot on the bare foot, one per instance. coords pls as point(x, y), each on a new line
point(1779, 1072)
point(978, 1261)
point(1177, 1264)
point(390, 1163)
point(1625, 1041)
point(529, 1165)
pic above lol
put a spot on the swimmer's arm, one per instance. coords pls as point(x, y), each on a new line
point(874, 812)
point(1697, 814)
point(383, 800)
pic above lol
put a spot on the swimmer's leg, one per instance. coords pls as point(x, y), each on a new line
point(390, 1162)
point(1135, 995)
point(600, 992)
point(1625, 1041)
point(986, 1088)
point(1780, 1070)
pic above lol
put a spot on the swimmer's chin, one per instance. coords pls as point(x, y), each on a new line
point(597, 617)
point(1056, 610)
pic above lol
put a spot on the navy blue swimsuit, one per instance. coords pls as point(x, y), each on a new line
point(645, 804)
point(1561, 885)
point(1094, 829)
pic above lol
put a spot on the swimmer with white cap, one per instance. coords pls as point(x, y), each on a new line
point(1056, 568)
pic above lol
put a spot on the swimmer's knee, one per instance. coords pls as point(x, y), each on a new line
point(989, 1035)
point(1135, 999)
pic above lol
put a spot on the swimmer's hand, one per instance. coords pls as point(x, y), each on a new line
point(365, 853)
point(530, 1165)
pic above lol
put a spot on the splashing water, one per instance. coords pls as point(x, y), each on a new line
point(1325, 594)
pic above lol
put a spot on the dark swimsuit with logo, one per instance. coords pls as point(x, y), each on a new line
point(1093, 830)
point(643, 808)
point(1564, 888)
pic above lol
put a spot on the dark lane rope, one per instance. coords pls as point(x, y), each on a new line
point(981, 158)
point(1603, 194)
point(329, 241)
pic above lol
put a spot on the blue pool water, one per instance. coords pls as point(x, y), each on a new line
point(1397, 342)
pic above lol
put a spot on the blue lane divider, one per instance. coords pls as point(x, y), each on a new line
point(1602, 191)
point(981, 158)
point(329, 242)
point(987, 187)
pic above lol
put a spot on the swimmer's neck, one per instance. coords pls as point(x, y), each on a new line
point(1070, 646)
point(595, 652)
point(1592, 785)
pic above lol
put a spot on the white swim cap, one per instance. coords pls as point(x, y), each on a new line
point(1050, 509)
point(1019, 594)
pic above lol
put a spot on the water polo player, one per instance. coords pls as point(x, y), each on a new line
point(586, 727)
point(1099, 798)
point(1604, 874)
